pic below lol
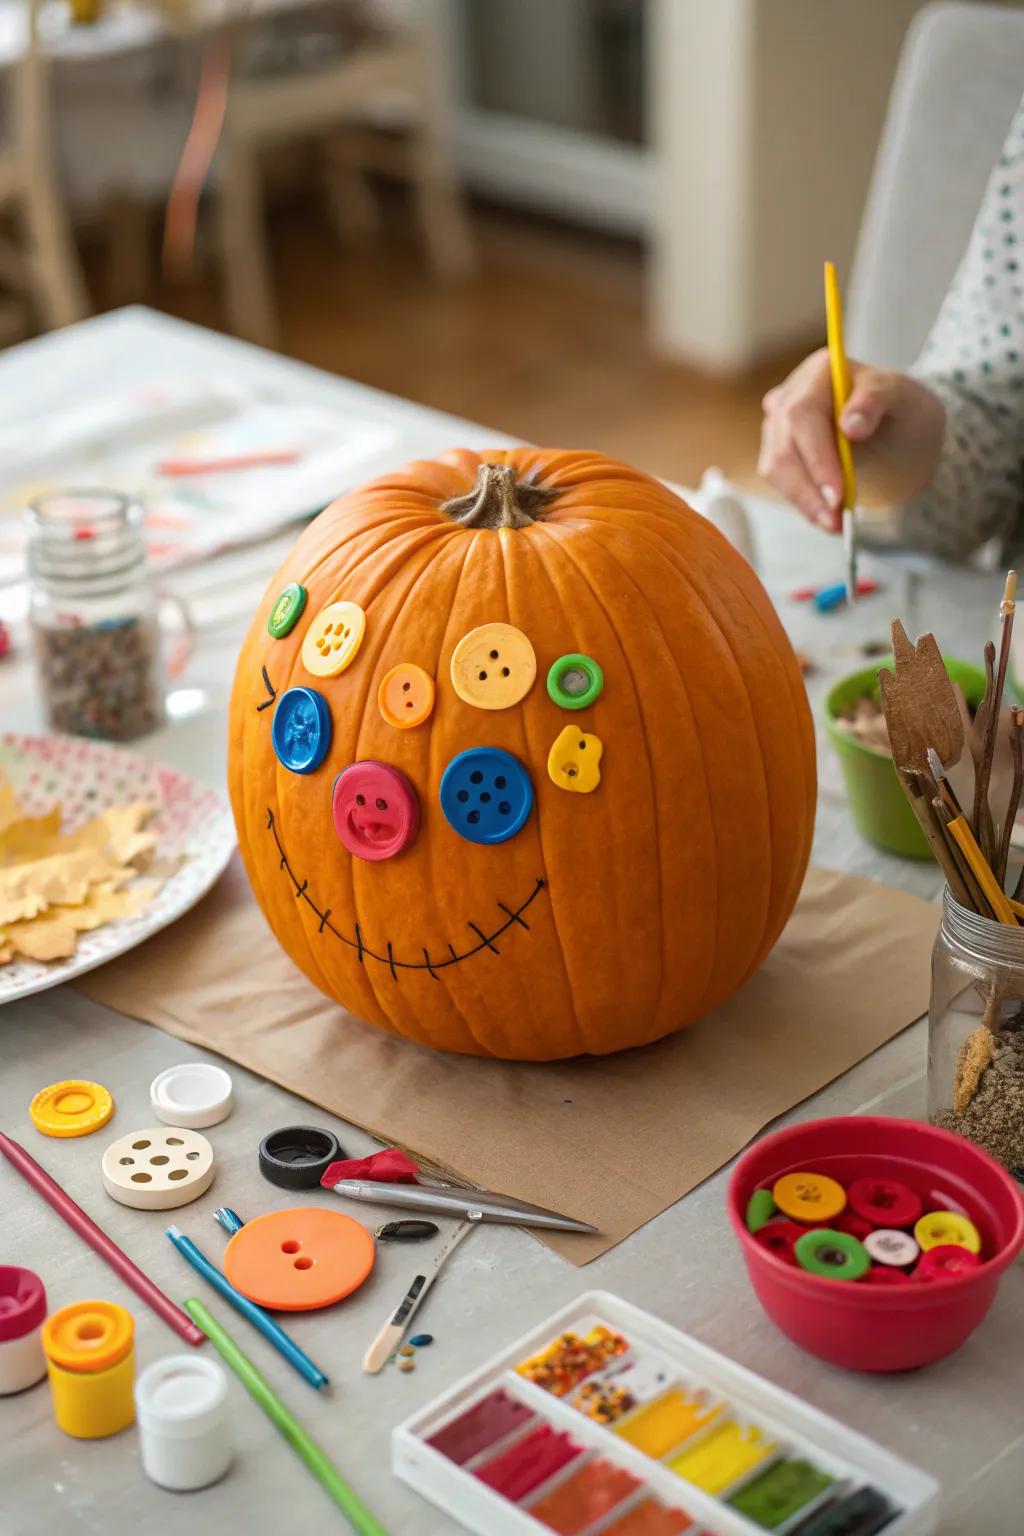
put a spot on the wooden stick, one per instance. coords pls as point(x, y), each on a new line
point(1017, 752)
point(983, 829)
point(981, 719)
point(934, 830)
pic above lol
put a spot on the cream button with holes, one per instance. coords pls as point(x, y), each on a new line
point(493, 667)
point(158, 1170)
point(333, 639)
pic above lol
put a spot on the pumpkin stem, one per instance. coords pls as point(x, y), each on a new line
point(498, 500)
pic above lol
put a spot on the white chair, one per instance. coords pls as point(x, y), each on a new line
point(959, 80)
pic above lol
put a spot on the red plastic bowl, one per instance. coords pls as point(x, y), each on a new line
point(881, 1327)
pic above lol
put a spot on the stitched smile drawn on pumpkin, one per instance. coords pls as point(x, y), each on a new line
point(512, 918)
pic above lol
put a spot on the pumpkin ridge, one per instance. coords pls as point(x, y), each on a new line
point(664, 548)
point(771, 928)
point(528, 756)
point(547, 546)
point(659, 990)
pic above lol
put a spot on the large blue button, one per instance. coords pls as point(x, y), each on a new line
point(301, 732)
point(486, 794)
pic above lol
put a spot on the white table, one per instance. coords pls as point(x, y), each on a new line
point(960, 1419)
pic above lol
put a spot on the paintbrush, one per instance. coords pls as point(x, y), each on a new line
point(947, 854)
point(1017, 754)
point(982, 814)
point(955, 820)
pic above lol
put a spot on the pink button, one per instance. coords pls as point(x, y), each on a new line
point(375, 810)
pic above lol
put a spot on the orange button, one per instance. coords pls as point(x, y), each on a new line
point(808, 1196)
point(406, 695)
point(292, 1261)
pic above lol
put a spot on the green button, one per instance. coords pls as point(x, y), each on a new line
point(287, 610)
point(776, 1496)
point(835, 1255)
point(575, 681)
point(760, 1209)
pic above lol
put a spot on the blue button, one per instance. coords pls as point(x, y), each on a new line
point(486, 794)
point(301, 732)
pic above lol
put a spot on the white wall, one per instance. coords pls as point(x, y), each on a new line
point(765, 117)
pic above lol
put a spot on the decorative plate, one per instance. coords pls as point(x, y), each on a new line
point(86, 777)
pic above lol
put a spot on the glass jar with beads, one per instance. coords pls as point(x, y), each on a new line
point(976, 1032)
point(93, 616)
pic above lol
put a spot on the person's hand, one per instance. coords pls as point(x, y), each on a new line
point(896, 422)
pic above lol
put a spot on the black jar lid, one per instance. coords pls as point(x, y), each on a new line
point(298, 1156)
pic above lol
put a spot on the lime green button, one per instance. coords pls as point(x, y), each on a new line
point(835, 1255)
point(287, 611)
point(575, 681)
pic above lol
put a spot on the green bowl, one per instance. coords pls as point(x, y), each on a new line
point(880, 809)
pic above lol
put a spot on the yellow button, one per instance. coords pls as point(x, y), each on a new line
point(808, 1196)
point(72, 1108)
point(493, 667)
point(406, 696)
point(333, 639)
point(574, 761)
point(939, 1228)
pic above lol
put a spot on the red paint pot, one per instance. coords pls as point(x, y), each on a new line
point(880, 1327)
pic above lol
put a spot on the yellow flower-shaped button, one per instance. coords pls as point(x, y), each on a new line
point(493, 666)
point(333, 639)
point(574, 761)
point(941, 1229)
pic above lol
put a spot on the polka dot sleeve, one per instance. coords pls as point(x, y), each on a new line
point(974, 361)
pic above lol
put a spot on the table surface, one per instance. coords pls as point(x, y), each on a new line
point(960, 1419)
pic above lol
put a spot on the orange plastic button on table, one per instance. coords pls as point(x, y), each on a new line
point(293, 1261)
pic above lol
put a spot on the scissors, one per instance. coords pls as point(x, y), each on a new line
point(840, 394)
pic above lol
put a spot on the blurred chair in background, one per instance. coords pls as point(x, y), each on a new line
point(392, 76)
point(40, 264)
point(959, 81)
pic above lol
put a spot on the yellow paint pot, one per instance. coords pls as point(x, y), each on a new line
point(90, 1358)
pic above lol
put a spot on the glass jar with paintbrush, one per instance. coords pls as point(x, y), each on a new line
point(966, 806)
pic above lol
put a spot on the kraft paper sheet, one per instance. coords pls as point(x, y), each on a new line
point(612, 1140)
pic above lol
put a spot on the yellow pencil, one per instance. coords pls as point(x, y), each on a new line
point(840, 371)
point(990, 886)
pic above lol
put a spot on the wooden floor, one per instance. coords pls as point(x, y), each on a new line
point(546, 341)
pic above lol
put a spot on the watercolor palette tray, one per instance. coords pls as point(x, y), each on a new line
point(605, 1421)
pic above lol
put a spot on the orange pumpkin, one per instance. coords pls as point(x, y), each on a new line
point(607, 918)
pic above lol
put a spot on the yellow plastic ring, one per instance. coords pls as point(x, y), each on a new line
point(74, 1107)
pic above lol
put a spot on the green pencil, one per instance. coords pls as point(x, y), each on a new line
point(321, 1466)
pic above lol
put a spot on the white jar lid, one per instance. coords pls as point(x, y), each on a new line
point(196, 1094)
point(181, 1396)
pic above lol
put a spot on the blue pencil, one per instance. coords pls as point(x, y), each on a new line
point(256, 1315)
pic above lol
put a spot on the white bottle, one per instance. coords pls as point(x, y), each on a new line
point(181, 1404)
point(22, 1314)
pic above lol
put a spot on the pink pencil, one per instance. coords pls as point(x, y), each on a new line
point(179, 468)
point(98, 1240)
